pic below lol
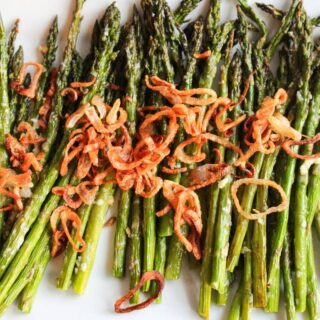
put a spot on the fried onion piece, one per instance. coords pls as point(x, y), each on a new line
point(66, 215)
point(44, 110)
point(207, 174)
point(83, 84)
point(187, 208)
point(147, 276)
point(69, 195)
point(29, 135)
point(175, 96)
point(11, 183)
point(259, 182)
point(71, 93)
point(173, 171)
point(17, 84)
point(286, 146)
point(202, 55)
point(172, 128)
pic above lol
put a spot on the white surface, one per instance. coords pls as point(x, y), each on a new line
point(180, 297)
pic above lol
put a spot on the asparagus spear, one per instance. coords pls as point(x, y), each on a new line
point(176, 249)
point(133, 75)
point(159, 67)
point(224, 215)
point(184, 8)
point(235, 310)
point(49, 55)
point(177, 40)
point(30, 290)
point(4, 105)
point(313, 298)
point(302, 106)
point(11, 45)
point(247, 277)
point(259, 240)
point(135, 257)
point(49, 176)
point(279, 14)
point(101, 68)
point(64, 70)
point(21, 259)
point(249, 192)
point(27, 273)
point(301, 209)
point(91, 236)
point(70, 258)
point(287, 280)
point(206, 268)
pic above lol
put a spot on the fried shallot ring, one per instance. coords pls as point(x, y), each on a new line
point(65, 214)
point(203, 55)
point(259, 182)
point(147, 276)
point(83, 84)
point(207, 174)
point(71, 93)
point(173, 171)
point(175, 96)
point(17, 84)
point(286, 146)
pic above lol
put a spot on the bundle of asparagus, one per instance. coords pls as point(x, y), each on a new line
point(138, 115)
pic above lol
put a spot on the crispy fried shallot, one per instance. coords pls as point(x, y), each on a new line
point(286, 146)
point(147, 276)
point(259, 182)
point(202, 55)
point(11, 184)
point(45, 109)
point(65, 215)
point(175, 96)
point(83, 84)
point(17, 84)
point(187, 208)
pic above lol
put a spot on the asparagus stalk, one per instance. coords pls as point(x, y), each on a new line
point(70, 258)
point(30, 290)
point(183, 10)
point(177, 40)
point(91, 237)
point(22, 257)
point(301, 208)
point(206, 268)
point(49, 175)
point(259, 240)
point(224, 215)
point(247, 277)
point(133, 75)
point(313, 298)
point(176, 249)
point(64, 70)
point(4, 106)
point(286, 22)
point(26, 275)
point(235, 310)
point(287, 280)
point(11, 45)
point(302, 106)
point(49, 55)
point(159, 67)
point(250, 191)
point(105, 55)
point(135, 247)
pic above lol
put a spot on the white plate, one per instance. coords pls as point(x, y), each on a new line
point(180, 297)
